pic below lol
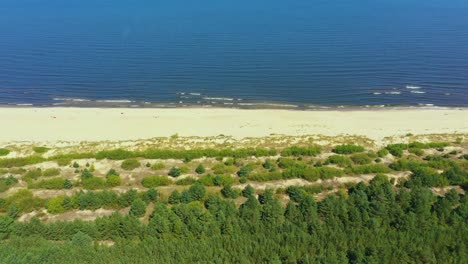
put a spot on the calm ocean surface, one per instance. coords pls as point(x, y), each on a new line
point(234, 53)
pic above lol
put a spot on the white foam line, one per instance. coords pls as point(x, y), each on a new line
point(412, 87)
point(114, 101)
point(218, 98)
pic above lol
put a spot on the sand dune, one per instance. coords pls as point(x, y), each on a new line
point(96, 124)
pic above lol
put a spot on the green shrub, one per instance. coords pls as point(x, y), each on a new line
point(138, 208)
point(426, 177)
point(158, 166)
point(313, 174)
point(406, 164)
point(7, 182)
point(4, 151)
point(397, 149)
point(373, 168)
point(221, 168)
point(175, 197)
point(184, 169)
point(40, 150)
point(416, 151)
point(174, 172)
point(348, 149)
point(382, 153)
point(200, 169)
point(361, 158)
point(229, 162)
point(148, 165)
point(245, 170)
point(186, 181)
point(32, 175)
point(340, 160)
point(63, 162)
point(112, 172)
point(55, 205)
point(67, 184)
point(113, 181)
point(229, 192)
point(288, 162)
point(51, 172)
point(216, 180)
point(117, 154)
point(86, 174)
point(93, 183)
point(268, 164)
point(265, 176)
point(155, 181)
point(301, 151)
point(50, 184)
point(20, 162)
point(130, 164)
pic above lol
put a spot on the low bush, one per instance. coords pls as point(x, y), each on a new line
point(130, 164)
point(4, 151)
point(416, 151)
point(51, 172)
point(426, 177)
point(265, 176)
point(288, 162)
point(382, 153)
point(313, 174)
point(361, 158)
point(340, 160)
point(301, 151)
point(221, 168)
point(112, 172)
point(32, 175)
point(397, 149)
point(245, 170)
point(86, 174)
point(7, 182)
point(216, 180)
point(63, 161)
point(348, 149)
point(174, 172)
point(155, 181)
point(93, 183)
point(186, 181)
point(113, 181)
point(49, 184)
point(367, 169)
point(200, 169)
point(40, 150)
point(184, 170)
point(229, 192)
point(20, 162)
point(158, 166)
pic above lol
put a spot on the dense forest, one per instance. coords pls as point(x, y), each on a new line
point(199, 213)
point(377, 223)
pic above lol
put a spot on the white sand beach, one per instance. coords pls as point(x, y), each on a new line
point(97, 124)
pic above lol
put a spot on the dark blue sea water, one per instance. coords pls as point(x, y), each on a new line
point(306, 52)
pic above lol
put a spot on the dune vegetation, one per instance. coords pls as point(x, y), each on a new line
point(296, 204)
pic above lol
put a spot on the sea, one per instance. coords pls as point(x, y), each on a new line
point(309, 54)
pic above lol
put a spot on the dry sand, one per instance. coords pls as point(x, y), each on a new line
point(97, 124)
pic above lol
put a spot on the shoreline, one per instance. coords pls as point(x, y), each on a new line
point(53, 124)
point(246, 106)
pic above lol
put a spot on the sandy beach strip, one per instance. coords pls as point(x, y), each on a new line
point(98, 124)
